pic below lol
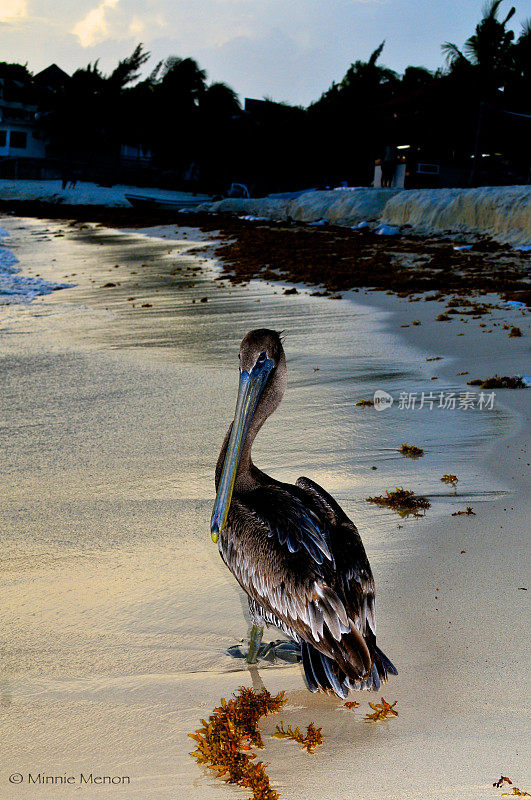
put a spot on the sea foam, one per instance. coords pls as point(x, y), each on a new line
point(18, 288)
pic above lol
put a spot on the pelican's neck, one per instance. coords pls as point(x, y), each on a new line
point(247, 475)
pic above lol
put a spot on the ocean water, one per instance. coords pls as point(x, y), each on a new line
point(15, 287)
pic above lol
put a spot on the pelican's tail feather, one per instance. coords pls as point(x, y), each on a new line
point(384, 666)
point(323, 673)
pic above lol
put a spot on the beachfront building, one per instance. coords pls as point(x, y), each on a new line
point(19, 137)
point(135, 155)
point(22, 142)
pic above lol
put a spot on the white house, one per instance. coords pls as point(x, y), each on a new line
point(19, 137)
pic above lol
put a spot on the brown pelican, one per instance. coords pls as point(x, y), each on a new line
point(292, 548)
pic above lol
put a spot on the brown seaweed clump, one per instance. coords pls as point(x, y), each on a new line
point(450, 480)
point(469, 512)
point(515, 331)
point(225, 741)
point(411, 451)
point(313, 737)
point(516, 792)
point(382, 710)
point(502, 779)
point(505, 382)
point(402, 500)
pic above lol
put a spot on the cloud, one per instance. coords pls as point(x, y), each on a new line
point(94, 27)
point(12, 10)
point(137, 26)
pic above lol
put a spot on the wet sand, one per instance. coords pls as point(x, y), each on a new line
point(117, 607)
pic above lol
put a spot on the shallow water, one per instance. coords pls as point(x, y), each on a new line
point(16, 287)
point(116, 604)
point(339, 352)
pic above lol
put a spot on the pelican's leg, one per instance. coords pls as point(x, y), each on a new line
point(287, 651)
point(255, 640)
point(280, 649)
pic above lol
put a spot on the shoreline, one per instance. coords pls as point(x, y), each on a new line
point(454, 362)
point(334, 257)
point(459, 724)
point(498, 212)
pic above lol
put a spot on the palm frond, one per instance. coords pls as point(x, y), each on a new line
point(376, 54)
point(452, 53)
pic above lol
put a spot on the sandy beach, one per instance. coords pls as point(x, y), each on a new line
point(117, 610)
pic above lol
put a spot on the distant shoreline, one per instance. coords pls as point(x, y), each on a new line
point(331, 258)
point(500, 213)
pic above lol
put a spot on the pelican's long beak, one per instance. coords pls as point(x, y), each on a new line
point(251, 386)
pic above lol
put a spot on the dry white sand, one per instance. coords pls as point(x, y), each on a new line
point(116, 607)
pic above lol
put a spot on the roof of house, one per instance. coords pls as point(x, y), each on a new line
point(52, 76)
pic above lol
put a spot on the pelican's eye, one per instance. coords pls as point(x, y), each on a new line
point(261, 358)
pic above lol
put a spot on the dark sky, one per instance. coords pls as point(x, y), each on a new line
point(284, 49)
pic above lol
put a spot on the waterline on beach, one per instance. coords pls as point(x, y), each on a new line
point(16, 287)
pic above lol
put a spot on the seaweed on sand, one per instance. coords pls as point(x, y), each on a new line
point(382, 710)
point(497, 382)
point(450, 480)
point(402, 500)
point(313, 737)
point(411, 451)
point(225, 740)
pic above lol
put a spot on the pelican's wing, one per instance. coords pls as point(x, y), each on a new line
point(278, 548)
point(295, 524)
point(353, 574)
point(354, 582)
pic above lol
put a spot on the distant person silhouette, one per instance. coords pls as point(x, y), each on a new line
point(388, 166)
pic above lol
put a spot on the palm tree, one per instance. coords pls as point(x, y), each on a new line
point(368, 76)
point(182, 80)
point(522, 54)
point(127, 71)
point(219, 102)
point(486, 54)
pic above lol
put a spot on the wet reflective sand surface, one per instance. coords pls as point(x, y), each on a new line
point(117, 609)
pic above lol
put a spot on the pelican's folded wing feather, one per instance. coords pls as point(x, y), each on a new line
point(354, 573)
point(295, 524)
point(278, 546)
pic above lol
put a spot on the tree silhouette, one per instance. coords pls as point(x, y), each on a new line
point(127, 70)
point(476, 104)
point(487, 54)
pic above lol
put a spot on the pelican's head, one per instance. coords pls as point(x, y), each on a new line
point(261, 386)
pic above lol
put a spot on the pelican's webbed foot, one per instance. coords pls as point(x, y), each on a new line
point(280, 650)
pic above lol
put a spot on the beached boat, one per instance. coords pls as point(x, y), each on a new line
point(289, 195)
point(167, 203)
